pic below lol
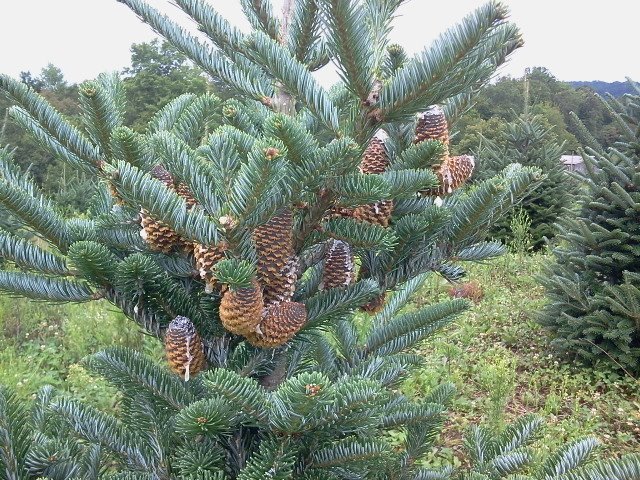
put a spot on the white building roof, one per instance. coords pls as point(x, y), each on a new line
point(571, 159)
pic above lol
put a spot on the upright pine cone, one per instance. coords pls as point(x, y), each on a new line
point(432, 125)
point(279, 324)
point(453, 173)
point(206, 257)
point(339, 266)
point(378, 213)
point(375, 158)
point(277, 263)
point(184, 191)
point(158, 235)
point(241, 309)
point(375, 161)
point(183, 347)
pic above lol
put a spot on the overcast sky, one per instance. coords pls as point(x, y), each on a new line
point(574, 39)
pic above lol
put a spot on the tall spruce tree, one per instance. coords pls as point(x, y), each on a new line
point(267, 221)
point(593, 285)
point(530, 142)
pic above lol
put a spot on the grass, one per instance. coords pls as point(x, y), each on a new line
point(498, 358)
point(42, 344)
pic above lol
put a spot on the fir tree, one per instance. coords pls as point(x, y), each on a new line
point(593, 286)
point(254, 256)
point(530, 142)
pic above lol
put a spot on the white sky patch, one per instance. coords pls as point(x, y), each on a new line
point(575, 40)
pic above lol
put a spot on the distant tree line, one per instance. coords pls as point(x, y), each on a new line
point(159, 73)
point(548, 98)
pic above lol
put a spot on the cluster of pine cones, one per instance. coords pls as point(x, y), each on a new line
point(264, 312)
point(452, 173)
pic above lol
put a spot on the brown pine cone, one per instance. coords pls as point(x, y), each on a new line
point(378, 213)
point(206, 257)
point(340, 212)
point(184, 191)
point(432, 125)
point(375, 158)
point(375, 161)
point(160, 173)
point(279, 324)
point(158, 235)
point(276, 258)
point(339, 266)
point(453, 173)
point(241, 309)
point(183, 347)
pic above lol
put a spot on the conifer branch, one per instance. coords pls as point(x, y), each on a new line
point(261, 17)
point(146, 285)
point(94, 261)
point(49, 142)
point(455, 61)
point(295, 78)
point(405, 330)
point(103, 104)
point(50, 289)
point(330, 305)
point(136, 374)
point(304, 29)
point(50, 120)
point(351, 41)
point(28, 255)
point(211, 62)
point(259, 188)
point(359, 234)
point(97, 427)
point(141, 189)
point(187, 166)
point(131, 147)
point(37, 212)
point(225, 36)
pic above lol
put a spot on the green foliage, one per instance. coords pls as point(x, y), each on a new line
point(325, 404)
point(522, 239)
point(157, 75)
point(554, 101)
point(14, 436)
point(592, 287)
point(352, 44)
point(236, 273)
point(459, 59)
point(529, 142)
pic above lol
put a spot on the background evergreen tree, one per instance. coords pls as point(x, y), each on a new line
point(158, 74)
point(593, 285)
point(267, 221)
point(530, 141)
